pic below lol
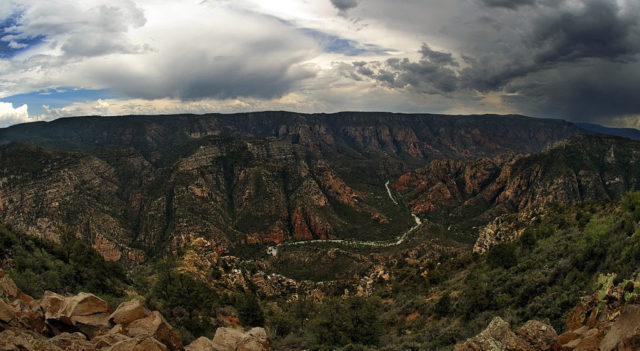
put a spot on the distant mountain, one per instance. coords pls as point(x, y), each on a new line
point(138, 186)
point(160, 139)
point(630, 133)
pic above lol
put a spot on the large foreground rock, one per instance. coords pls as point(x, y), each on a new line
point(154, 325)
point(230, 339)
point(533, 336)
point(84, 312)
point(138, 344)
point(82, 322)
point(9, 289)
point(200, 344)
point(128, 312)
point(608, 320)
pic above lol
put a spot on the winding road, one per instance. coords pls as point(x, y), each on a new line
point(273, 250)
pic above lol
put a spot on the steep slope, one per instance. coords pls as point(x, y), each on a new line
point(140, 186)
point(161, 138)
point(580, 168)
point(227, 191)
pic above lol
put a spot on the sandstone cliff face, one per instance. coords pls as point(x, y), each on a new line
point(158, 139)
point(227, 191)
point(140, 186)
point(581, 168)
point(42, 190)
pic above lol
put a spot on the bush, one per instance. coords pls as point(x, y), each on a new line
point(185, 301)
point(503, 255)
point(353, 320)
point(443, 306)
point(249, 311)
point(70, 266)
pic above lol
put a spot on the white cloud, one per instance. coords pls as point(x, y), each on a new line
point(15, 45)
point(201, 52)
point(79, 28)
point(10, 115)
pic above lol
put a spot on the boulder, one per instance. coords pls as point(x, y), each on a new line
point(226, 339)
point(138, 344)
point(83, 312)
point(533, 336)
point(6, 313)
point(156, 326)
point(589, 340)
point(538, 335)
point(200, 344)
point(24, 340)
point(30, 315)
point(51, 303)
point(128, 312)
point(72, 342)
point(624, 333)
point(92, 325)
point(63, 308)
point(9, 289)
point(109, 339)
point(605, 321)
point(255, 340)
point(229, 339)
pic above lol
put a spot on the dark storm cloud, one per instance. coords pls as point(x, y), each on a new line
point(599, 30)
point(584, 64)
point(437, 57)
point(580, 92)
point(433, 74)
point(511, 4)
point(570, 59)
point(344, 5)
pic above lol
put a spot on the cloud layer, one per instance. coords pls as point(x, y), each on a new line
point(573, 59)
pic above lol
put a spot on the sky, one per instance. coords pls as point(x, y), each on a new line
point(573, 59)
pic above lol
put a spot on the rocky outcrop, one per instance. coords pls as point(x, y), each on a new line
point(155, 326)
point(608, 320)
point(200, 344)
point(9, 289)
point(474, 192)
point(225, 191)
point(504, 230)
point(533, 336)
point(82, 322)
point(128, 312)
point(230, 339)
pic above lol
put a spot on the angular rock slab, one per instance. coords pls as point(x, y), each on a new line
point(155, 326)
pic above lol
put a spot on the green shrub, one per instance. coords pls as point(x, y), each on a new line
point(443, 306)
point(185, 301)
point(249, 311)
point(352, 320)
point(503, 255)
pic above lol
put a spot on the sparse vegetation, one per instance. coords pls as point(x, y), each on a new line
point(67, 267)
